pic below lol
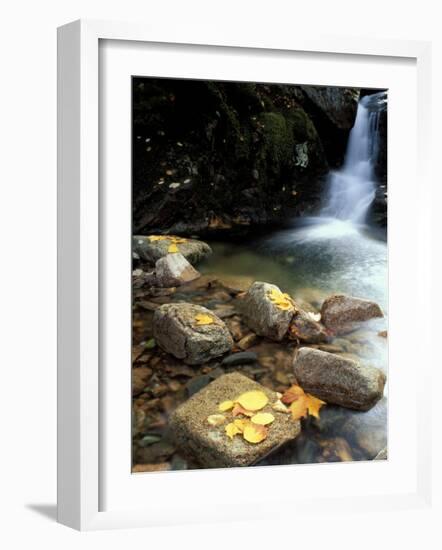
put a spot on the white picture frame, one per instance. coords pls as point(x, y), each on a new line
point(80, 437)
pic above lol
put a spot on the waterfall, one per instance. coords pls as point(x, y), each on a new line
point(352, 188)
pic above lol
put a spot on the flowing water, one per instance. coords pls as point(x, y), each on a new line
point(332, 253)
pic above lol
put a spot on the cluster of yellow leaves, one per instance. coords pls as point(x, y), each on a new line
point(301, 403)
point(174, 241)
point(280, 299)
point(204, 319)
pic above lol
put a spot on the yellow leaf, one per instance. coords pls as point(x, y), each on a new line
point(263, 418)
point(299, 408)
point(313, 405)
point(226, 406)
point(280, 299)
point(216, 419)
point(280, 407)
point(237, 409)
point(232, 430)
point(172, 248)
point(241, 423)
point(154, 238)
point(254, 433)
point(203, 319)
point(292, 394)
point(253, 400)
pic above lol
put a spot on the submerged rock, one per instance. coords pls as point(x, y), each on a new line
point(262, 315)
point(241, 358)
point(209, 445)
point(338, 380)
point(174, 270)
point(341, 313)
point(190, 332)
point(153, 247)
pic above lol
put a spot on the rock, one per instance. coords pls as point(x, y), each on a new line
point(339, 105)
point(152, 250)
point(382, 455)
point(140, 378)
point(305, 328)
point(248, 341)
point(236, 283)
point(209, 445)
point(174, 270)
point(341, 313)
point(262, 315)
point(241, 358)
point(337, 380)
point(176, 331)
point(141, 278)
point(160, 467)
point(368, 430)
point(194, 385)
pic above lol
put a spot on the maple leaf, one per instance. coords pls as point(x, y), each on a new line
point(298, 408)
point(203, 319)
point(253, 400)
point(280, 299)
point(226, 406)
point(237, 409)
point(232, 430)
point(216, 419)
point(263, 418)
point(153, 238)
point(254, 433)
point(292, 394)
point(314, 404)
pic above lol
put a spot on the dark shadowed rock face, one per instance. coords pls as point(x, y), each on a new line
point(338, 104)
point(150, 250)
point(209, 445)
point(262, 315)
point(341, 313)
point(338, 380)
point(177, 330)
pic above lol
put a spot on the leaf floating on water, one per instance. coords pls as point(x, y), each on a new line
point(173, 248)
point(204, 319)
point(263, 418)
point(314, 404)
point(216, 419)
point(253, 400)
point(237, 409)
point(232, 430)
point(226, 406)
point(254, 433)
point(299, 408)
point(292, 394)
point(280, 299)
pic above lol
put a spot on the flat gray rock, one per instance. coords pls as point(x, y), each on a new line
point(177, 330)
point(338, 380)
point(153, 247)
point(263, 316)
point(174, 270)
point(209, 445)
point(341, 313)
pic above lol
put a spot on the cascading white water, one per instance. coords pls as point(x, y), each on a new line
point(352, 188)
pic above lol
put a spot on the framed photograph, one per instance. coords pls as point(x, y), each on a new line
point(233, 289)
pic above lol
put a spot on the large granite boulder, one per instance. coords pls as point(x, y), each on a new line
point(190, 332)
point(339, 105)
point(341, 313)
point(263, 315)
point(174, 270)
point(338, 380)
point(208, 444)
point(153, 247)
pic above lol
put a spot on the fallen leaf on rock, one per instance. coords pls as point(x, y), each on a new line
point(173, 248)
point(298, 408)
point(241, 423)
point(232, 430)
point(216, 419)
point(280, 407)
point(313, 405)
point(226, 406)
point(237, 409)
point(204, 319)
point(280, 299)
point(153, 238)
point(263, 418)
point(292, 394)
point(254, 433)
point(253, 400)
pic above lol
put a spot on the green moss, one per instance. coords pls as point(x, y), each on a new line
point(303, 127)
point(278, 139)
